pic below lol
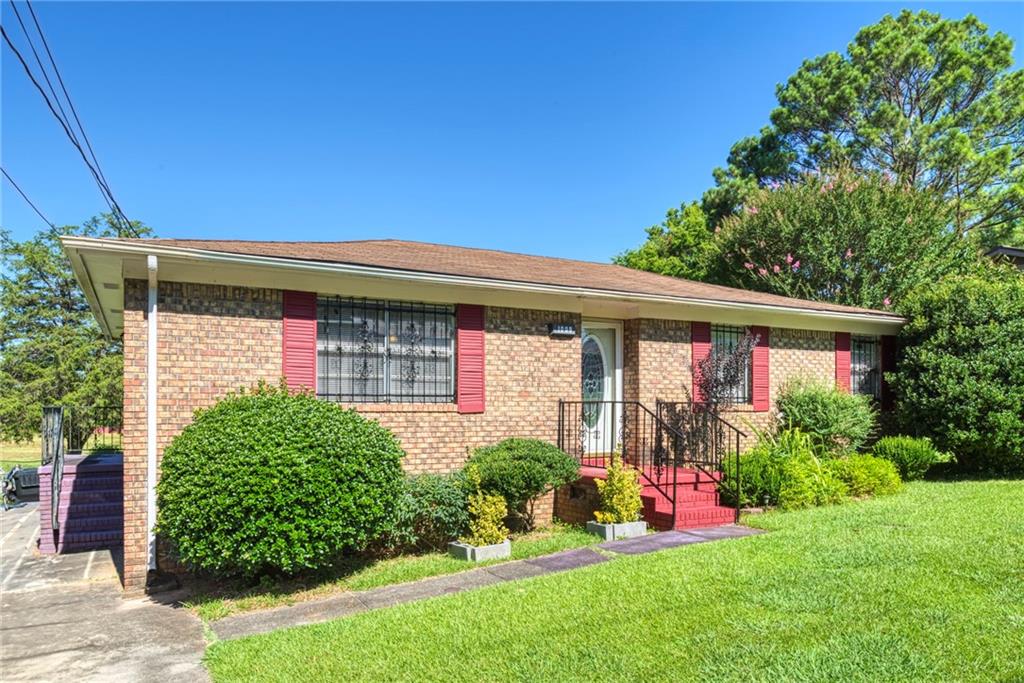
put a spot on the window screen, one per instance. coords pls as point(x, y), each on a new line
point(865, 374)
point(385, 351)
point(725, 338)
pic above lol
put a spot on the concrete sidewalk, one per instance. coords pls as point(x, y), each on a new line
point(63, 617)
point(346, 604)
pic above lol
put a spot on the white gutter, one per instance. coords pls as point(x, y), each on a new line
point(151, 408)
point(206, 256)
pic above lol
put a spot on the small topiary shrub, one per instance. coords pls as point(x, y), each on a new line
point(276, 483)
point(806, 482)
point(434, 510)
point(911, 455)
point(520, 470)
point(486, 513)
point(866, 475)
point(620, 493)
point(840, 422)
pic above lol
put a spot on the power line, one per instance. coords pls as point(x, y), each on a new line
point(25, 197)
point(116, 212)
point(71, 105)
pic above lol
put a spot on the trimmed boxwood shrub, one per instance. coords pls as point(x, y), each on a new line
point(839, 421)
point(912, 456)
point(520, 470)
point(434, 510)
point(866, 475)
point(269, 482)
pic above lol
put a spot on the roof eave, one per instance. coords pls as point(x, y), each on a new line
point(76, 243)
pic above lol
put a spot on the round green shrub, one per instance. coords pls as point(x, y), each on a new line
point(912, 456)
point(434, 510)
point(866, 475)
point(960, 376)
point(269, 482)
point(520, 470)
point(839, 421)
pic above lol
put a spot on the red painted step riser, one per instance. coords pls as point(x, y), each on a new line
point(662, 503)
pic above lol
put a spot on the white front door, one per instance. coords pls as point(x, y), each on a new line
point(601, 376)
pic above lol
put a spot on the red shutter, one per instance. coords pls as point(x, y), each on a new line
point(469, 358)
point(843, 361)
point(700, 348)
point(760, 370)
point(888, 365)
point(299, 365)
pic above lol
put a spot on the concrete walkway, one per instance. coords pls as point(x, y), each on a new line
point(346, 604)
point(63, 617)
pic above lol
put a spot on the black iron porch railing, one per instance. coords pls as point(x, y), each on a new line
point(591, 430)
point(74, 430)
point(657, 443)
point(709, 440)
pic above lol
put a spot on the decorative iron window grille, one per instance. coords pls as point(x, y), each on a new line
point(385, 351)
point(725, 338)
point(865, 373)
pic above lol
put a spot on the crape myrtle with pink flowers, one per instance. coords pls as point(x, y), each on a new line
point(850, 238)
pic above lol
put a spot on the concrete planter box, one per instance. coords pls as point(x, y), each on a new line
point(480, 553)
point(610, 532)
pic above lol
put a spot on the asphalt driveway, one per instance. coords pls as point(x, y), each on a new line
point(63, 618)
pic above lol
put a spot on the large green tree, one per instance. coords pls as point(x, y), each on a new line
point(960, 376)
point(51, 349)
point(681, 246)
point(932, 102)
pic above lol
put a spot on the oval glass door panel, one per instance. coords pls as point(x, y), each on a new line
point(593, 379)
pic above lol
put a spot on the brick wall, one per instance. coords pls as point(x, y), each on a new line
point(211, 339)
point(657, 365)
point(215, 339)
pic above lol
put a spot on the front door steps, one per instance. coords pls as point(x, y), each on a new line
point(696, 495)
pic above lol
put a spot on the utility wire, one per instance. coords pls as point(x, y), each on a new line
point(116, 212)
point(25, 197)
point(67, 131)
point(71, 104)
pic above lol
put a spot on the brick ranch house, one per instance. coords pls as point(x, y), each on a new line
point(451, 348)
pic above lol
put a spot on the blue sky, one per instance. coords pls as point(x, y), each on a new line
point(559, 129)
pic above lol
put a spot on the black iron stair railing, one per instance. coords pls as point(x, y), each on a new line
point(709, 440)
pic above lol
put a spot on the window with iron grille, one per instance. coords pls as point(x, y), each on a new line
point(384, 351)
point(725, 338)
point(865, 373)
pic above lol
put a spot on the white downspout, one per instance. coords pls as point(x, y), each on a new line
point(151, 408)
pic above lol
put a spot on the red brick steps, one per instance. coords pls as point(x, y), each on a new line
point(697, 502)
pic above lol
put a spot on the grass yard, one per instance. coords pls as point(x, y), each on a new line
point(25, 454)
point(924, 585)
point(209, 604)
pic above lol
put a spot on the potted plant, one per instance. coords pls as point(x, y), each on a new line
point(619, 516)
point(488, 536)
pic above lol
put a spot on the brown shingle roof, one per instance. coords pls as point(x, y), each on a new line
point(501, 265)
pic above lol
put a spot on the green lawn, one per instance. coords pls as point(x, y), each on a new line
point(25, 454)
point(226, 600)
point(927, 585)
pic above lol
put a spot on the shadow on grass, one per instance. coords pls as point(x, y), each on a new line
point(214, 598)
